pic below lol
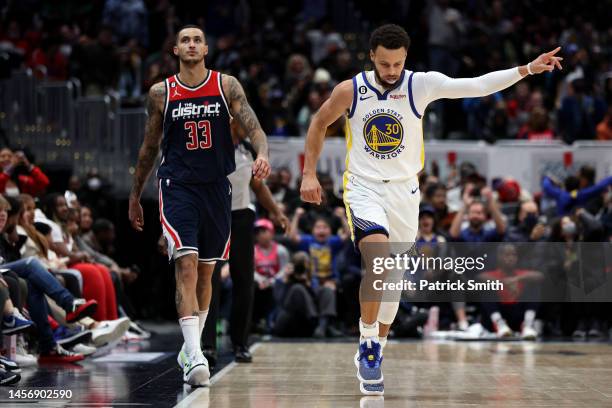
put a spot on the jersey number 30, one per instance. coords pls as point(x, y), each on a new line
point(195, 142)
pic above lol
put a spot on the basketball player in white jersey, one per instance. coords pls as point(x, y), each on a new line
point(384, 110)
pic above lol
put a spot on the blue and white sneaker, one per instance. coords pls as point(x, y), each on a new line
point(15, 323)
point(369, 372)
point(365, 388)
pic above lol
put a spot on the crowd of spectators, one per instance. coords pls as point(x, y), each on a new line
point(62, 294)
point(57, 260)
point(289, 56)
point(307, 280)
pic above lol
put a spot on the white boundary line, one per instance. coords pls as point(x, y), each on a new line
point(194, 395)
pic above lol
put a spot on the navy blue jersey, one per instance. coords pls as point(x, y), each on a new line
point(197, 144)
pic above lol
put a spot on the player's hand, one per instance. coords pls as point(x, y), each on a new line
point(135, 214)
point(546, 62)
point(261, 168)
point(310, 190)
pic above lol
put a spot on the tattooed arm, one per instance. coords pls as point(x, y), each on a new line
point(245, 117)
point(148, 151)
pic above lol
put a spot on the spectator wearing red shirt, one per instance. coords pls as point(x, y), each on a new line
point(19, 176)
point(537, 127)
point(512, 311)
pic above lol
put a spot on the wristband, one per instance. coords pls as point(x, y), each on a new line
point(529, 69)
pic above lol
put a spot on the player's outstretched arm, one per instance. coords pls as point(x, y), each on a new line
point(337, 104)
point(148, 151)
point(437, 85)
point(246, 118)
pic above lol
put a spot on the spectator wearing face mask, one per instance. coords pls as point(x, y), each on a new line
point(19, 175)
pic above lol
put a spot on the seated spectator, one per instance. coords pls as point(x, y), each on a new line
point(537, 127)
point(41, 283)
point(302, 309)
point(515, 309)
point(97, 281)
point(529, 226)
point(271, 259)
point(477, 216)
point(18, 175)
point(323, 248)
point(604, 128)
point(435, 195)
point(572, 195)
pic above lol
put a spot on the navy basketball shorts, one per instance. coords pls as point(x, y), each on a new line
point(196, 218)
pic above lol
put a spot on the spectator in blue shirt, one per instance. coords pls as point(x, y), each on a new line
point(476, 211)
point(572, 196)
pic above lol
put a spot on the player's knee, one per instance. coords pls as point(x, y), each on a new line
point(187, 269)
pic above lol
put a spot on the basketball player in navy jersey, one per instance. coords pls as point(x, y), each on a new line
point(189, 118)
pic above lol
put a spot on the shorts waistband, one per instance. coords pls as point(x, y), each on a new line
point(381, 180)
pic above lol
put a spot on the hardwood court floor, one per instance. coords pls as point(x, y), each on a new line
point(418, 374)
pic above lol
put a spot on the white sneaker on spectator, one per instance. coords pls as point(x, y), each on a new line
point(109, 331)
point(84, 349)
point(22, 356)
point(502, 329)
point(136, 329)
point(529, 333)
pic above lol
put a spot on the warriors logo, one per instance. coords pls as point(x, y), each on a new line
point(383, 135)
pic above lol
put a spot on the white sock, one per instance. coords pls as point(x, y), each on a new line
point(382, 341)
point(529, 317)
point(202, 314)
point(189, 327)
point(368, 330)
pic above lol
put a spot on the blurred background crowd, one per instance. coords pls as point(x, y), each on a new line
point(73, 266)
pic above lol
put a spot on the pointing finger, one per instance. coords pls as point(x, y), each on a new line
point(553, 52)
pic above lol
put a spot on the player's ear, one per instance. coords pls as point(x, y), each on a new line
point(205, 50)
point(175, 50)
point(371, 55)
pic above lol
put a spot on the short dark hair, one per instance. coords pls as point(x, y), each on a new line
point(571, 183)
point(102, 225)
point(190, 26)
point(390, 36)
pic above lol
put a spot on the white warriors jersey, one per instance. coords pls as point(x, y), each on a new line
point(384, 130)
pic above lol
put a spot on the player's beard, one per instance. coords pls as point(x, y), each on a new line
point(192, 61)
point(384, 83)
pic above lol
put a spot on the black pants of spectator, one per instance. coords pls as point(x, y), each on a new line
point(242, 273)
point(71, 283)
point(263, 303)
point(123, 302)
point(301, 308)
point(17, 287)
point(513, 313)
point(348, 300)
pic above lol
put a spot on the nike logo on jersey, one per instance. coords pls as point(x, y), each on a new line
point(414, 190)
point(361, 98)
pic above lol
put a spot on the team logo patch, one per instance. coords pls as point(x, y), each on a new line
point(383, 135)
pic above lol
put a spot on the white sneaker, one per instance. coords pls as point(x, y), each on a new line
point(109, 331)
point(181, 358)
point(529, 333)
point(84, 349)
point(22, 357)
point(195, 370)
point(502, 329)
point(139, 331)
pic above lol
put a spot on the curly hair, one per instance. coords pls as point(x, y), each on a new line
point(390, 36)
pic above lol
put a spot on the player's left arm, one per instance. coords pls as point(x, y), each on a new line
point(436, 85)
point(245, 117)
